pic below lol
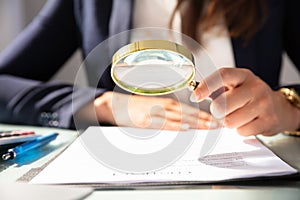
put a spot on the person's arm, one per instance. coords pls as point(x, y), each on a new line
point(42, 48)
point(252, 107)
point(150, 112)
point(31, 60)
point(31, 102)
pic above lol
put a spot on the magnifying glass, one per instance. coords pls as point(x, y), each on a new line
point(153, 67)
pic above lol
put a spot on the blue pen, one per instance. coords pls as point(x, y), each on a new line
point(38, 142)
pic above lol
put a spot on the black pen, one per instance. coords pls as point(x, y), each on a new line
point(40, 141)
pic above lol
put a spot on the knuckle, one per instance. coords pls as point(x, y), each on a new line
point(217, 109)
point(273, 122)
point(229, 123)
point(263, 104)
point(269, 122)
point(248, 72)
point(170, 102)
point(267, 134)
point(224, 72)
point(242, 131)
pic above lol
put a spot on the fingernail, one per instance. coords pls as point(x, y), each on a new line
point(215, 112)
point(193, 98)
point(185, 126)
point(211, 124)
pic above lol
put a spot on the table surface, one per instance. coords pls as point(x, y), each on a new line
point(286, 147)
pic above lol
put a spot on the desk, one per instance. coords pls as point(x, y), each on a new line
point(22, 170)
point(286, 147)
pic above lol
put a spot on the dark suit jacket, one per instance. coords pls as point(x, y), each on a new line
point(63, 26)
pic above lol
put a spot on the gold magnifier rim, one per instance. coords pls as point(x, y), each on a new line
point(151, 45)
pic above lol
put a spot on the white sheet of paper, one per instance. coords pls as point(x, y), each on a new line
point(233, 157)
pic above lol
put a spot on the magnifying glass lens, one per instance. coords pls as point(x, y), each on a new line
point(153, 71)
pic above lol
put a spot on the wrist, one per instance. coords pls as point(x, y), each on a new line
point(103, 108)
point(296, 132)
point(294, 100)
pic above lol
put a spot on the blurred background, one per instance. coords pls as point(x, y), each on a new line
point(16, 14)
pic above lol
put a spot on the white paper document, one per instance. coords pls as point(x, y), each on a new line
point(123, 155)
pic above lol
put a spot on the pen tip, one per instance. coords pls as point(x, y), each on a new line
point(6, 156)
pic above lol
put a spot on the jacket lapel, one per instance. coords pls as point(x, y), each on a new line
point(120, 24)
point(245, 55)
point(120, 16)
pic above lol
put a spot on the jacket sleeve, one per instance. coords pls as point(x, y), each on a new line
point(31, 102)
point(26, 96)
point(47, 42)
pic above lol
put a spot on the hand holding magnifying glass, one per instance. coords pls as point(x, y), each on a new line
point(153, 67)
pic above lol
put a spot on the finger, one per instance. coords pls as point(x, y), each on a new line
point(176, 110)
point(177, 118)
point(225, 77)
point(175, 106)
point(159, 122)
point(196, 122)
point(208, 124)
point(254, 127)
point(230, 101)
point(194, 111)
point(162, 123)
point(241, 116)
point(171, 114)
point(196, 118)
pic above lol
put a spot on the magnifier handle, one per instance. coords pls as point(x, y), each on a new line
point(193, 84)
